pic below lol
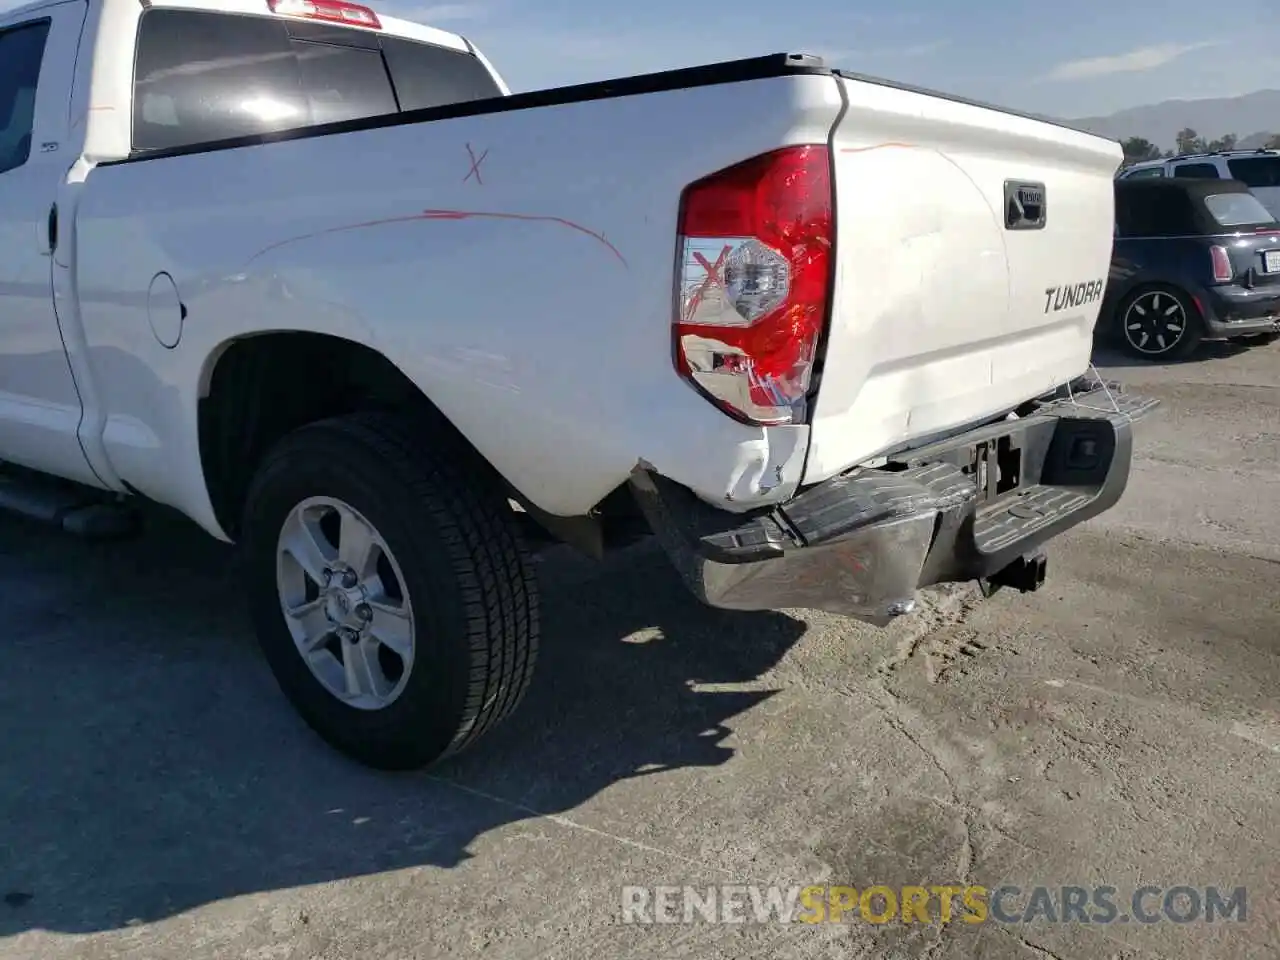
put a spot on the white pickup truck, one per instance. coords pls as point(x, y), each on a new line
point(316, 279)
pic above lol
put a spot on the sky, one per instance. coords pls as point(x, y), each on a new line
point(1068, 59)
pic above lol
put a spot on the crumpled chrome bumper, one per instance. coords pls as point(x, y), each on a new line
point(970, 507)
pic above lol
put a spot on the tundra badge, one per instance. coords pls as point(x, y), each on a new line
point(1073, 295)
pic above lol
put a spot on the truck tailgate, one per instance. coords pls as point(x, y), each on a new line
point(953, 301)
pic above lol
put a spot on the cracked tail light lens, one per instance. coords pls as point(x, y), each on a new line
point(753, 283)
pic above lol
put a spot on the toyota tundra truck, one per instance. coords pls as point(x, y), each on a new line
point(315, 278)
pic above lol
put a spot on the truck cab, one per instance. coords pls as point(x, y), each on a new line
point(202, 72)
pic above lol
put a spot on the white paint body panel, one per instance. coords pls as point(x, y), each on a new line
point(547, 346)
point(939, 317)
point(534, 307)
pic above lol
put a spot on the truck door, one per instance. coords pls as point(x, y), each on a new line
point(39, 406)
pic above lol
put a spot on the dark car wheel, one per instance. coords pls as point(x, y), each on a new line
point(1159, 323)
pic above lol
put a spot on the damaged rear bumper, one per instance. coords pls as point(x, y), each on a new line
point(976, 506)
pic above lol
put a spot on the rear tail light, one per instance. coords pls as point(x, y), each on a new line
point(1222, 270)
point(333, 11)
point(754, 282)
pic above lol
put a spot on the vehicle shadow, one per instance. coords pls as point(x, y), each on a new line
point(150, 765)
point(1107, 357)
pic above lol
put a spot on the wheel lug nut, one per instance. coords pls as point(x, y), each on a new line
point(349, 578)
point(364, 611)
point(347, 635)
point(328, 576)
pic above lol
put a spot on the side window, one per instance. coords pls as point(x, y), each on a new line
point(1196, 171)
point(208, 76)
point(1145, 172)
point(21, 52)
point(1256, 172)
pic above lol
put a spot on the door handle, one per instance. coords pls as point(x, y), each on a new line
point(52, 228)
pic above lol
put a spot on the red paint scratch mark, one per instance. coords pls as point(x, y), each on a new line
point(451, 215)
point(878, 146)
point(475, 165)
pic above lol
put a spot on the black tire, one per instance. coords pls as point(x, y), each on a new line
point(1131, 341)
point(464, 569)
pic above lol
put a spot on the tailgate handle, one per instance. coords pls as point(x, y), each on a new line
point(1025, 205)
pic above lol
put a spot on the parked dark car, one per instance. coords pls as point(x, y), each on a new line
point(1193, 260)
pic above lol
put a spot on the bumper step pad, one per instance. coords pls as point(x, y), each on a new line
point(1026, 513)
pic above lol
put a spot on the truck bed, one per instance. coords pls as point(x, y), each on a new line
point(513, 257)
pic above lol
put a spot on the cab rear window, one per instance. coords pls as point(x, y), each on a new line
point(203, 76)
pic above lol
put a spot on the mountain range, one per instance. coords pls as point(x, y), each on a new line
point(1253, 117)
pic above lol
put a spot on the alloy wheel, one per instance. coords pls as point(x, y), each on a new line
point(345, 603)
point(1155, 322)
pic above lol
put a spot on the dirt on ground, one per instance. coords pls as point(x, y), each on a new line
point(1119, 728)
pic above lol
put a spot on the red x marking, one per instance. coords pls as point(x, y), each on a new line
point(714, 271)
point(475, 165)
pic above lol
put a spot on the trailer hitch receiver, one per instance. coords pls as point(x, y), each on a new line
point(1026, 574)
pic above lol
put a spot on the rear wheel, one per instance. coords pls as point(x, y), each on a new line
point(390, 591)
point(1160, 323)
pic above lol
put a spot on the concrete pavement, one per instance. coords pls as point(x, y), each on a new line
point(158, 799)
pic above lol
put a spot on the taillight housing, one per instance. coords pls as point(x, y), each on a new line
point(753, 282)
point(1223, 272)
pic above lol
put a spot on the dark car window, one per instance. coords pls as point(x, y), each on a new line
point(427, 76)
point(1196, 171)
point(21, 52)
point(202, 76)
point(1144, 173)
point(1237, 209)
point(1256, 171)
